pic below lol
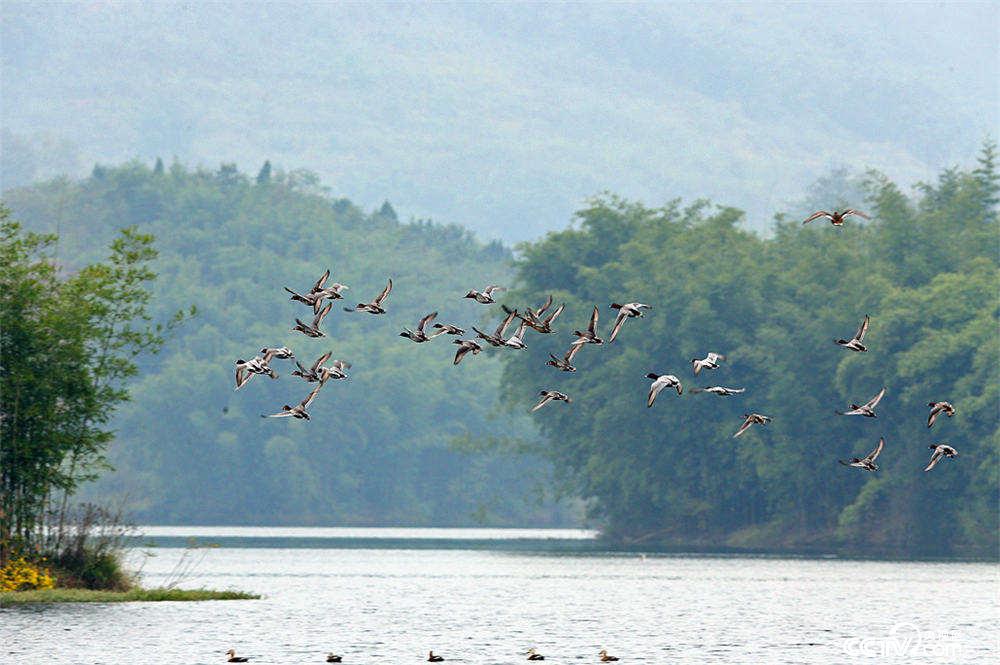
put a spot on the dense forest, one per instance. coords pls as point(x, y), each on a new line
point(381, 447)
point(925, 269)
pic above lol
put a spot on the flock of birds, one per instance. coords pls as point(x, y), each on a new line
point(540, 320)
point(432, 657)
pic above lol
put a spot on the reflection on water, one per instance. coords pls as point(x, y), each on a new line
point(478, 606)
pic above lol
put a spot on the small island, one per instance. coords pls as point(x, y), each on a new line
point(58, 595)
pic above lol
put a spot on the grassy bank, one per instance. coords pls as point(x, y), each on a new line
point(133, 595)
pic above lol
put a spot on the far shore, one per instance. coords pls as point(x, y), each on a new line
point(9, 598)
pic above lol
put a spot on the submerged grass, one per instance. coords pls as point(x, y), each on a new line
point(132, 595)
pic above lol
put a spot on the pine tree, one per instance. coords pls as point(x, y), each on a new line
point(264, 175)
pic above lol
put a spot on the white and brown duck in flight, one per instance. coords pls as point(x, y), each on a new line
point(375, 306)
point(534, 655)
point(867, 409)
point(497, 338)
point(334, 370)
point(247, 369)
point(751, 419)
point(233, 658)
point(534, 317)
point(516, 341)
point(721, 391)
point(836, 217)
point(282, 352)
point(937, 408)
point(940, 450)
point(418, 335)
point(311, 375)
point(550, 396)
point(486, 295)
point(465, 346)
point(661, 381)
point(589, 336)
point(627, 311)
point(318, 292)
point(447, 329)
point(565, 364)
point(299, 410)
point(868, 461)
point(431, 658)
point(313, 329)
point(605, 658)
point(711, 361)
point(854, 344)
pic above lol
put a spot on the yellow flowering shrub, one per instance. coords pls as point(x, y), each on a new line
point(20, 575)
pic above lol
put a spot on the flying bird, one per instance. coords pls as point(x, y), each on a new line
point(419, 335)
point(940, 450)
point(937, 408)
point(334, 370)
point(318, 292)
point(311, 374)
point(551, 396)
point(661, 381)
point(464, 347)
point(721, 391)
point(534, 317)
point(589, 336)
point(299, 410)
point(836, 218)
point(497, 338)
point(627, 311)
point(486, 295)
point(854, 344)
point(566, 363)
point(447, 329)
point(867, 409)
point(711, 361)
point(751, 419)
point(247, 369)
point(312, 330)
point(868, 461)
point(282, 352)
point(375, 306)
point(516, 341)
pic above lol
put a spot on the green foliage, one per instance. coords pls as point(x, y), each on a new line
point(378, 450)
point(925, 270)
point(68, 343)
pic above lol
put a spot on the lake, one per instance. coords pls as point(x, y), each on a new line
point(487, 596)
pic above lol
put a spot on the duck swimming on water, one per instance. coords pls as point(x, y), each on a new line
point(534, 655)
point(605, 658)
point(431, 658)
point(333, 658)
point(233, 658)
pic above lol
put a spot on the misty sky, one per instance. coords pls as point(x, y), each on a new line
point(505, 117)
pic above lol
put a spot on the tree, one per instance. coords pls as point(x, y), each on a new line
point(264, 175)
point(68, 344)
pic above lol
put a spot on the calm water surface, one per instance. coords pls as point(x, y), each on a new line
point(390, 605)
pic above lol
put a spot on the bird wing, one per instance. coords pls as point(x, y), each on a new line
point(311, 396)
point(619, 322)
point(319, 282)
point(878, 449)
point(654, 390)
point(541, 310)
point(744, 427)
point(319, 317)
point(488, 291)
point(502, 328)
point(573, 350)
point(935, 412)
point(280, 414)
point(462, 350)
point(268, 355)
point(424, 321)
point(241, 377)
point(545, 400)
point(735, 391)
point(593, 321)
point(292, 292)
point(935, 457)
point(875, 400)
point(322, 359)
point(862, 329)
point(696, 365)
point(852, 211)
point(817, 215)
point(556, 312)
point(385, 294)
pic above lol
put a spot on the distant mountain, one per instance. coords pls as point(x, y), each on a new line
point(504, 117)
point(381, 447)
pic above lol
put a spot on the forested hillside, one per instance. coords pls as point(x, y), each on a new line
point(925, 269)
point(378, 449)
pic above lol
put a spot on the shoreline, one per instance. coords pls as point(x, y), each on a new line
point(58, 595)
